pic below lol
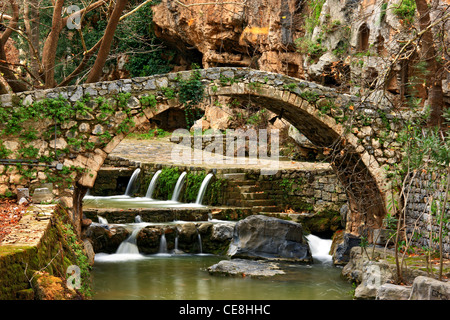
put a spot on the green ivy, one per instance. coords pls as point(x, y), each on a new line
point(166, 183)
point(191, 93)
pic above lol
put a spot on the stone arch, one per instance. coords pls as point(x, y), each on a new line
point(317, 111)
point(357, 170)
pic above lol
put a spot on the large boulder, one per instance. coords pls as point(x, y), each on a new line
point(425, 288)
point(342, 246)
point(374, 274)
point(262, 237)
point(246, 268)
point(389, 291)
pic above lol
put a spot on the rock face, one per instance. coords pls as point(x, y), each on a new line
point(251, 34)
point(262, 237)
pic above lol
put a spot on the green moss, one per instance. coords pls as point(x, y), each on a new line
point(54, 254)
point(324, 221)
point(166, 183)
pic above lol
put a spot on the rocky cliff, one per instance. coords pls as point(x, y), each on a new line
point(349, 44)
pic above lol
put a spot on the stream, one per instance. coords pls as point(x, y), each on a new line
point(130, 275)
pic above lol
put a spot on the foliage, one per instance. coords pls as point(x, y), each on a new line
point(192, 186)
point(406, 11)
point(81, 259)
point(425, 149)
point(166, 183)
point(315, 8)
point(312, 48)
point(191, 93)
point(214, 193)
point(136, 38)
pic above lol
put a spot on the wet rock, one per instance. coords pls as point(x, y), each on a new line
point(262, 237)
point(148, 239)
point(342, 248)
point(106, 238)
point(243, 267)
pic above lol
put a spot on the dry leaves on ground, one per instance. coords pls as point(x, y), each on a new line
point(10, 214)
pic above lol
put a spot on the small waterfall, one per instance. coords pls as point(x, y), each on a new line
point(200, 243)
point(176, 244)
point(138, 219)
point(131, 183)
point(178, 186)
point(320, 248)
point(163, 244)
point(203, 187)
point(102, 220)
point(129, 246)
point(152, 185)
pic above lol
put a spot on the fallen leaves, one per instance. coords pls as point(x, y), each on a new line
point(10, 215)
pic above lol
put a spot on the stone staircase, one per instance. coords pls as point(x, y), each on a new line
point(248, 194)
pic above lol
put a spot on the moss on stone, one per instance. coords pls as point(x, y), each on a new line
point(20, 264)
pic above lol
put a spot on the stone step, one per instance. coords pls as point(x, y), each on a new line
point(248, 188)
point(261, 209)
point(259, 202)
point(241, 183)
point(254, 195)
point(235, 176)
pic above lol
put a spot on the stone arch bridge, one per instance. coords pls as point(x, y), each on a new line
point(360, 153)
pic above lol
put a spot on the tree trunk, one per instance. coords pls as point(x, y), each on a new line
point(105, 46)
point(77, 210)
point(434, 77)
point(31, 22)
point(50, 45)
point(5, 69)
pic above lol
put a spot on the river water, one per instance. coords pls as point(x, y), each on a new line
point(185, 277)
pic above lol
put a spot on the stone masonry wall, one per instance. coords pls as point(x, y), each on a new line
point(307, 191)
point(424, 194)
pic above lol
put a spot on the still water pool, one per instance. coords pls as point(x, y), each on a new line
point(185, 277)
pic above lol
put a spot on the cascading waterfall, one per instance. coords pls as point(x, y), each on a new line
point(102, 220)
point(176, 244)
point(152, 185)
point(200, 243)
point(131, 183)
point(138, 219)
point(320, 248)
point(178, 186)
point(203, 187)
point(129, 246)
point(163, 244)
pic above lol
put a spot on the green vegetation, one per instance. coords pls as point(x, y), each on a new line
point(59, 249)
point(134, 41)
point(315, 9)
point(313, 49)
point(406, 11)
point(166, 183)
point(193, 180)
point(191, 93)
